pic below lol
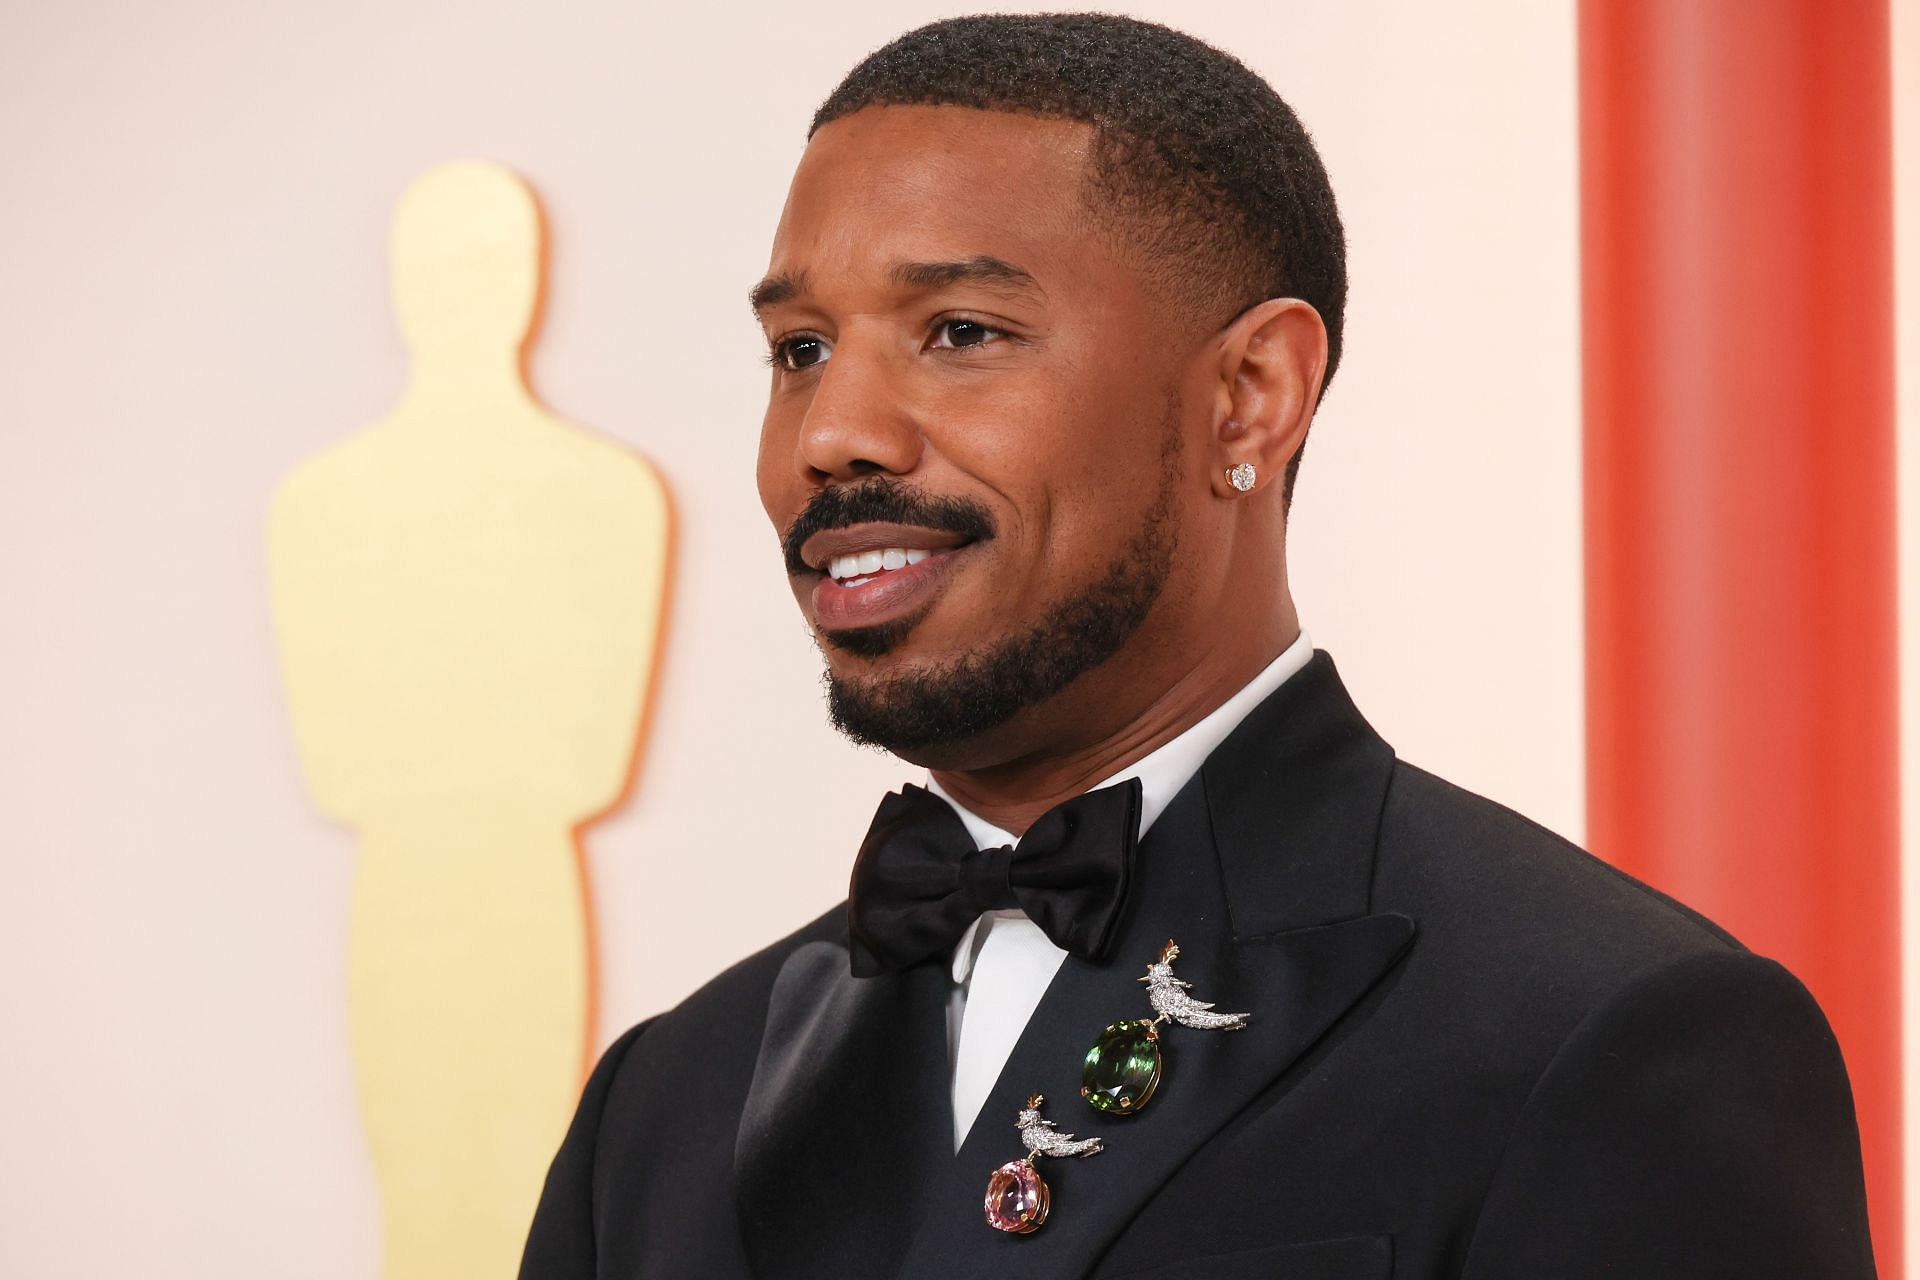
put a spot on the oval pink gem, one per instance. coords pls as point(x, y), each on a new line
point(1016, 1197)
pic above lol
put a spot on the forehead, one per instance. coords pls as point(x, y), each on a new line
point(917, 183)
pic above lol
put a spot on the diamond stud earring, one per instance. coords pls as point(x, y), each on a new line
point(1241, 476)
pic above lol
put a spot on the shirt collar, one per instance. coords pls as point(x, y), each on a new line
point(1162, 771)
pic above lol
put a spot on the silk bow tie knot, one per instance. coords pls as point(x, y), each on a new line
point(920, 880)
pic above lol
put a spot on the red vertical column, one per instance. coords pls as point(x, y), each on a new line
point(1737, 263)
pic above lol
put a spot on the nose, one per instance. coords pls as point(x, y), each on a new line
point(858, 422)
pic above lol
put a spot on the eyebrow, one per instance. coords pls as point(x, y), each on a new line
point(981, 268)
point(777, 288)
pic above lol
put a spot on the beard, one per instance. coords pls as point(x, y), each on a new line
point(966, 695)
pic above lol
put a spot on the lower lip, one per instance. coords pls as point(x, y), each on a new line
point(886, 597)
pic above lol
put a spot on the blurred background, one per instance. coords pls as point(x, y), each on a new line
point(194, 299)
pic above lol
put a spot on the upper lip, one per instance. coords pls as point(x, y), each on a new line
point(819, 550)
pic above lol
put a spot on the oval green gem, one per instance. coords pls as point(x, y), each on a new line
point(1123, 1068)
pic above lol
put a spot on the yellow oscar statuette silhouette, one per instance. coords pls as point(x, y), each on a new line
point(467, 598)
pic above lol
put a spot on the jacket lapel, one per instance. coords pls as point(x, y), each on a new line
point(846, 1119)
point(1262, 870)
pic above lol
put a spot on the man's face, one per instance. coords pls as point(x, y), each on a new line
point(972, 445)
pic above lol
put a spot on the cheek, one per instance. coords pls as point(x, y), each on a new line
point(1099, 438)
point(774, 475)
point(1076, 462)
point(1019, 440)
point(1048, 420)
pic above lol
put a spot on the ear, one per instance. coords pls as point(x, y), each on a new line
point(1269, 362)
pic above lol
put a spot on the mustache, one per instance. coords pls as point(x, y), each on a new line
point(879, 499)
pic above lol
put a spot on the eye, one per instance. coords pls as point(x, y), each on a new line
point(799, 351)
point(957, 334)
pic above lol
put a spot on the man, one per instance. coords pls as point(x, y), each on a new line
point(1050, 308)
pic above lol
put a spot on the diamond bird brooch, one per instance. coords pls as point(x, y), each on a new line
point(1124, 1066)
point(1017, 1196)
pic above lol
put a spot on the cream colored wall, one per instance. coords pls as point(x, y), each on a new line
point(193, 298)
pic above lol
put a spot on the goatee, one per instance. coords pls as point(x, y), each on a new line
point(982, 689)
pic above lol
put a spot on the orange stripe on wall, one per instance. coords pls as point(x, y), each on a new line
point(1737, 267)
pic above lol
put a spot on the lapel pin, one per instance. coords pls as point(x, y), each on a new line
point(1124, 1066)
point(1017, 1196)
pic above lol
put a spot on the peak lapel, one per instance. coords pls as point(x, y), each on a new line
point(1295, 795)
point(1261, 869)
point(847, 1117)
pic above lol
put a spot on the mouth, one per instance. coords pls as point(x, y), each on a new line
point(877, 573)
point(858, 567)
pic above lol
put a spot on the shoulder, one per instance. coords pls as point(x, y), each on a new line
point(659, 1086)
point(1613, 1025)
point(751, 978)
point(1521, 935)
point(719, 1025)
point(1697, 1119)
point(1462, 862)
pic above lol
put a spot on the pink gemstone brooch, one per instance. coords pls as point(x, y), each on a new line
point(1017, 1196)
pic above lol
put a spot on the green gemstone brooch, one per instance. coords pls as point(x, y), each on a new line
point(1124, 1066)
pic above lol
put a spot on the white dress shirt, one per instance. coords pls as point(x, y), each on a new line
point(1003, 964)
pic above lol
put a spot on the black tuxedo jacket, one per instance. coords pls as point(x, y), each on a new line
point(1474, 1051)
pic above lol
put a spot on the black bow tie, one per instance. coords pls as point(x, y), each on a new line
point(919, 881)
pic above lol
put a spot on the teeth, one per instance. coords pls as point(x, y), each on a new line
point(862, 565)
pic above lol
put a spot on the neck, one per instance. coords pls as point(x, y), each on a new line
point(1014, 793)
point(462, 381)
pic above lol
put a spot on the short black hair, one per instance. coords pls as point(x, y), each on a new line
point(1196, 152)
